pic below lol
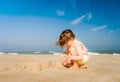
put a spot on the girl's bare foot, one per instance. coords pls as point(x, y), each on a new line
point(67, 65)
point(83, 67)
point(75, 66)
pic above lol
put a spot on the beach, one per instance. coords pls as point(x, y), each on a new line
point(47, 68)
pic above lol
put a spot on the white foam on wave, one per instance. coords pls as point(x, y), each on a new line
point(2, 53)
point(51, 52)
point(93, 53)
point(116, 54)
point(12, 53)
point(56, 53)
point(37, 52)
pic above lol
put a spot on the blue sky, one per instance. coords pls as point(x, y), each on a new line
point(35, 25)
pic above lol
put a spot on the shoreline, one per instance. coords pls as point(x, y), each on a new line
point(93, 52)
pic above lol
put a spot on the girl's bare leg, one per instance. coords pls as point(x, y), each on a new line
point(67, 63)
point(62, 56)
point(75, 65)
point(74, 60)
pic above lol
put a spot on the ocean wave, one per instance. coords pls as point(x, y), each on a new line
point(54, 53)
point(93, 53)
point(37, 52)
point(12, 53)
point(50, 52)
point(116, 54)
point(2, 53)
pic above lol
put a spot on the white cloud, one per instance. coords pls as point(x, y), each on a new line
point(78, 20)
point(60, 12)
point(99, 28)
point(89, 16)
point(81, 18)
point(114, 31)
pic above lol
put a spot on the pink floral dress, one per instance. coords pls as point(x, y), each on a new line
point(80, 48)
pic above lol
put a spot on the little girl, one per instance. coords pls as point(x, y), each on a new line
point(76, 54)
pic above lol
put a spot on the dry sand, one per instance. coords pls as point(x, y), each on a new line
point(47, 68)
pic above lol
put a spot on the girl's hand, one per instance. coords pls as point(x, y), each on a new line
point(62, 56)
point(69, 59)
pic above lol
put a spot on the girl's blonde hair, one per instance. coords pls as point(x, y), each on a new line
point(65, 36)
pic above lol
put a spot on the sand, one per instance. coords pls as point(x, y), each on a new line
point(47, 68)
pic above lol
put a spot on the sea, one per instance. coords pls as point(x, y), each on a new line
point(92, 52)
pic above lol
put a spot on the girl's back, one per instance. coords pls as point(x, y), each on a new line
point(80, 48)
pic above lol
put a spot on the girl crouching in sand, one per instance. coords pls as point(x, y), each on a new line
point(76, 54)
